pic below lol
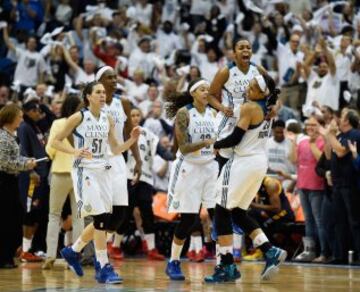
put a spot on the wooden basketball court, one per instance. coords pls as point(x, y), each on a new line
point(143, 275)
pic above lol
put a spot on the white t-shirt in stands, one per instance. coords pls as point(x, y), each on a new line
point(29, 66)
point(325, 90)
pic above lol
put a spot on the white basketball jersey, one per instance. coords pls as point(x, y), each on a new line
point(116, 111)
point(233, 93)
point(254, 140)
point(147, 143)
point(201, 127)
point(92, 133)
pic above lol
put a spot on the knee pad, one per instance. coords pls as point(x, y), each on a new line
point(101, 222)
point(183, 229)
point(223, 222)
point(244, 221)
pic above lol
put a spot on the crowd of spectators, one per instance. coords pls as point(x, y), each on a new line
point(50, 49)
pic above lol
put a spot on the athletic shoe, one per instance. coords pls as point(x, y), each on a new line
point(107, 275)
point(48, 264)
point(237, 255)
point(191, 255)
point(97, 268)
point(256, 256)
point(273, 258)
point(28, 257)
point(115, 253)
point(155, 255)
point(207, 253)
point(73, 260)
point(173, 270)
point(223, 273)
point(199, 257)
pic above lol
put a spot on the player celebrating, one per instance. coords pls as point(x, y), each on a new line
point(193, 174)
point(93, 134)
point(240, 179)
point(227, 92)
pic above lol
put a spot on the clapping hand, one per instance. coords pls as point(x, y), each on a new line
point(353, 148)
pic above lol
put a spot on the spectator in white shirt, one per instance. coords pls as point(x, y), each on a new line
point(143, 12)
point(323, 85)
point(167, 40)
point(278, 150)
point(31, 66)
point(155, 123)
point(142, 58)
point(136, 90)
point(343, 64)
point(80, 76)
point(152, 95)
point(210, 65)
point(289, 57)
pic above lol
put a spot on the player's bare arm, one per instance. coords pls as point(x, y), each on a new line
point(181, 126)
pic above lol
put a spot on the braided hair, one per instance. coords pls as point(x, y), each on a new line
point(176, 100)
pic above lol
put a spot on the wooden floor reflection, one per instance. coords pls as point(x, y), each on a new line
point(142, 275)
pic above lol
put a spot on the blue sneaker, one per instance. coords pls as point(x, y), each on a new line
point(173, 270)
point(73, 260)
point(107, 275)
point(273, 258)
point(223, 273)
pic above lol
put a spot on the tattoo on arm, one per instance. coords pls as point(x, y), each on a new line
point(181, 126)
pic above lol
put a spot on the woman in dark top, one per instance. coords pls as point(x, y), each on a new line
point(11, 163)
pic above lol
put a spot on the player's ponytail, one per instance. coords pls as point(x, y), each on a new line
point(176, 100)
point(272, 98)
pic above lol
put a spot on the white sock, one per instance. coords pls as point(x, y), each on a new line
point(26, 244)
point(68, 238)
point(192, 243)
point(117, 240)
point(198, 243)
point(78, 245)
point(102, 257)
point(218, 257)
point(237, 241)
point(260, 239)
point(109, 237)
point(175, 252)
point(150, 240)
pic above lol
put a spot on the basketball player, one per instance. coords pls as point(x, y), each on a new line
point(119, 109)
point(227, 92)
point(240, 179)
point(193, 173)
point(93, 134)
point(141, 194)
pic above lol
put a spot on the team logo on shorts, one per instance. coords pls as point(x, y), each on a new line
point(87, 208)
point(87, 181)
point(176, 204)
